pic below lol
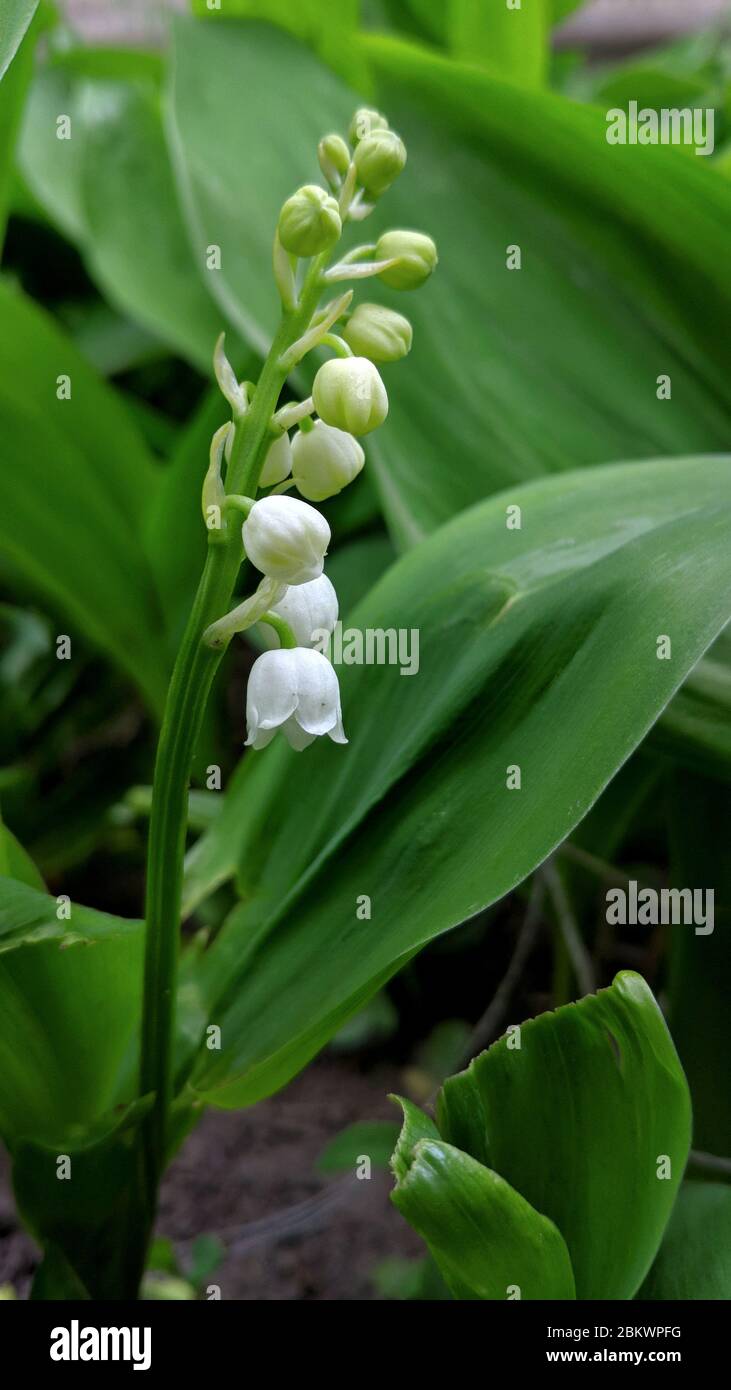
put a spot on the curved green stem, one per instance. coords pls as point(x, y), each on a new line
point(188, 692)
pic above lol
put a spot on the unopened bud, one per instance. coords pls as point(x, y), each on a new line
point(349, 394)
point(364, 122)
point(379, 159)
point(334, 157)
point(309, 221)
point(378, 333)
point(415, 255)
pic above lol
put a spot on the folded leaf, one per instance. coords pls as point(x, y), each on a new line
point(587, 1114)
point(488, 1242)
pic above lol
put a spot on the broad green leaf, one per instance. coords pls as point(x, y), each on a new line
point(15, 17)
point(229, 84)
point(512, 42)
point(137, 246)
point(486, 1239)
point(515, 628)
point(74, 482)
point(13, 89)
point(16, 863)
point(694, 1261)
point(555, 365)
point(69, 1009)
point(110, 187)
point(589, 1119)
point(327, 27)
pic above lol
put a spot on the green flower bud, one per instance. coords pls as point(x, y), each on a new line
point(364, 122)
point(324, 461)
point(349, 394)
point(334, 157)
point(378, 333)
point(309, 221)
point(379, 159)
point(416, 255)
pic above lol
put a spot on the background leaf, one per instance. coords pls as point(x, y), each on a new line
point(694, 1261)
point(74, 483)
point(512, 42)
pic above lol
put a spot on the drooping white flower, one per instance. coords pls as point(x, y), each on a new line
point(278, 462)
point(286, 539)
point(309, 610)
point(295, 690)
point(324, 461)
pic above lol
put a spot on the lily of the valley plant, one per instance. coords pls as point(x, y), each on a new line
point(249, 511)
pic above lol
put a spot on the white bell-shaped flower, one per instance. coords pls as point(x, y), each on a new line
point(295, 690)
point(309, 610)
point(324, 461)
point(278, 462)
point(286, 539)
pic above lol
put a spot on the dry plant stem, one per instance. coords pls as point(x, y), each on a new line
point(190, 685)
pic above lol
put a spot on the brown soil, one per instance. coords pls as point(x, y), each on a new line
point(249, 1178)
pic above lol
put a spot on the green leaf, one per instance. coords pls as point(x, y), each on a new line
point(74, 483)
point(228, 79)
point(328, 28)
point(512, 42)
point(416, 814)
point(373, 1140)
point(694, 1261)
point(623, 280)
point(16, 863)
point(486, 1239)
point(70, 1003)
point(115, 194)
point(580, 1119)
point(83, 1214)
point(15, 17)
point(13, 91)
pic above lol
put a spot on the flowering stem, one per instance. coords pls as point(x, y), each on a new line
point(188, 692)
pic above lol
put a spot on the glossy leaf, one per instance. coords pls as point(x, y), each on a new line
point(70, 993)
point(114, 193)
point(515, 628)
point(488, 1242)
point(74, 482)
point(589, 1119)
point(511, 42)
point(694, 1261)
point(228, 82)
point(15, 17)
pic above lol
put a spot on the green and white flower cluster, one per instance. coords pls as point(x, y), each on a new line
point(294, 688)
